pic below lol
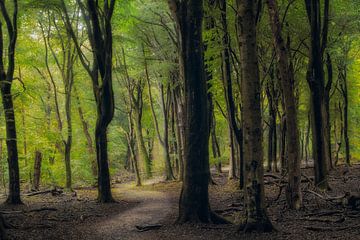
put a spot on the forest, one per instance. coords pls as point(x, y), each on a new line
point(179, 119)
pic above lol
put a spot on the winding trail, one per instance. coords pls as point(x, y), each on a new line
point(153, 208)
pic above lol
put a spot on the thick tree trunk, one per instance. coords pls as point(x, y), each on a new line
point(6, 80)
point(11, 143)
point(317, 86)
point(104, 184)
point(287, 80)
point(194, 200)
point(256, 216)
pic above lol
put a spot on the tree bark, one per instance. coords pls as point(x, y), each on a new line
point(287, 79)
point(6, 80)
point(194, 200)
point(256, 216)
point(316, 81)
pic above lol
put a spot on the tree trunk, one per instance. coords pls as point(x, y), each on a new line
point(287, 80)
point(194, 200)
point(215, 145)
point(232, 160)
point(89, 140)
point(143, 153)
point(11, 143)
point(6, 80)
point(316, 81)
point(256, 216)
point(37, 170)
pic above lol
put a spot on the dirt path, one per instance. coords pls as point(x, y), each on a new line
point(153, 208)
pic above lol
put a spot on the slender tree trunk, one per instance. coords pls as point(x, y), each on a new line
point(287, 79)
point(37, 170)
point(232, 161)
point(143, 153)
point(215, 145)
point(89, 140)
point(256, 216)
point(68, 141)
point(131, 143)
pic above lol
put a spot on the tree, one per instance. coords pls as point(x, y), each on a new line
point(256, 216)
point(6, 80)
point(194, 199)
point(287, 80)
point(99, 31)
point(316, 80)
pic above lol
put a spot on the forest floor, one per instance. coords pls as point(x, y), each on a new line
point(78, 216)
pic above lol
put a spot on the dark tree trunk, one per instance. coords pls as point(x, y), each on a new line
point(194, 200)
point(104, 94)
point(256, 216)
point(6, 80)
point(317, 87)
point(37, 170)
point(215, 145)
point(99, 31)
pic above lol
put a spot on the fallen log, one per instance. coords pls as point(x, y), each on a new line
point(148, 227)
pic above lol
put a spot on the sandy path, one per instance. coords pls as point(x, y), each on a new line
point(153, 208)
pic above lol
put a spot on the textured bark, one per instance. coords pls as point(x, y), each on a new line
point(317, 86)
point(287, 80)
point(6, 80)
point(272, 132)
point(101, 42)
point(256, 216)
point(194, 200)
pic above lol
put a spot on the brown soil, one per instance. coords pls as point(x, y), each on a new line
point(79, 217)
